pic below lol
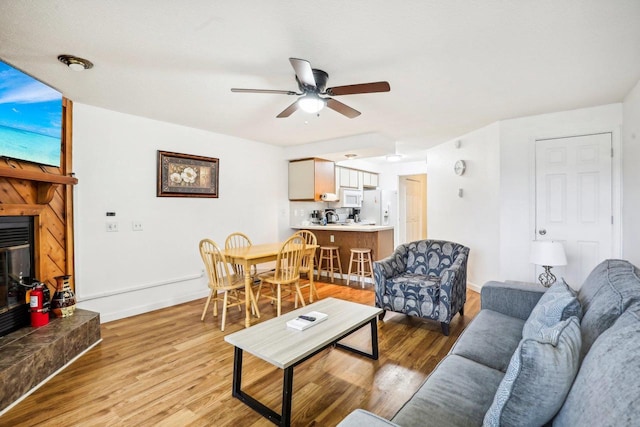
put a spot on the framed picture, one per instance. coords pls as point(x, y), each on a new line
point(185, 175)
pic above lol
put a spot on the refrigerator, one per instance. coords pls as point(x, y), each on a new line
point(379, 207)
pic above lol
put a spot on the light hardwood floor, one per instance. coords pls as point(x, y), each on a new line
point(167, 368)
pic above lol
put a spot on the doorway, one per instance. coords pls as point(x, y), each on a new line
point(412, 200)
point(574, 200)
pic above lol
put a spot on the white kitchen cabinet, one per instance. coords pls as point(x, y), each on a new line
point(344, 177)
point(347, 177)
point(370, 180)
point(353, 178)
point(366, 179)
point(309, 178)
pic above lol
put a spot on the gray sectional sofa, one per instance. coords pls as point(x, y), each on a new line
point(513, 366)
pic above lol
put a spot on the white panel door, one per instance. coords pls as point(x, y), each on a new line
point(413, 199)
point(574, 201)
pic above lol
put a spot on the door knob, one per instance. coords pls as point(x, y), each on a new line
point(542, 232)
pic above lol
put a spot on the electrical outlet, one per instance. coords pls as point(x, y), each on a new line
point(112, 226)
point(331, 238)
point(136, 226)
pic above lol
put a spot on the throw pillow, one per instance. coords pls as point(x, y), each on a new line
point(538, 378)
point(607, 292)
point(605, 391)
point(558, 303)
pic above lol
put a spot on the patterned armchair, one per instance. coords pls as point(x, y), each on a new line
point(426, 278)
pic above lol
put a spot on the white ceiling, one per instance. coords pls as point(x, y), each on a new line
point(453, 65)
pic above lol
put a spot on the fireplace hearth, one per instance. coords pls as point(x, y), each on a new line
point(16, 271)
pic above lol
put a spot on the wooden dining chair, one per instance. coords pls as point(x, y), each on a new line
point(287, 272)
point(222, 282)
point(238, 240)
point(241, 240)
point(307, 264)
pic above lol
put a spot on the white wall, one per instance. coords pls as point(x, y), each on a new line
point(517, 200)
point(631, 176)
point(115, 163)
point(389, 173)
point(473, 219)
point(496, 215)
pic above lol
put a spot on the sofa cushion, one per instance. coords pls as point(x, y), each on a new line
point(406, 284)
point(431, 256)
point(558, 303)
point(606, 391)
point(490, 339)
point(539, 377)
point(457, 393)
point(407, 294)
point(609, 289)
point(512, 299)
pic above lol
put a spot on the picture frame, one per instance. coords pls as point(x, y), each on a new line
point(187, 175)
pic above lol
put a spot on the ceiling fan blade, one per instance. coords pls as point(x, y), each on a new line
point(289, 110)
point(359, 88)
point(304, 72)
point(342, 108)
point(283, 92)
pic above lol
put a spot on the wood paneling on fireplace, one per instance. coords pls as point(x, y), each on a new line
point(46, 193)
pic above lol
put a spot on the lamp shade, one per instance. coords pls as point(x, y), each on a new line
point(548, 252)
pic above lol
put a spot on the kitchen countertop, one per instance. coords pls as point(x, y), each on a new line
point(339, 227)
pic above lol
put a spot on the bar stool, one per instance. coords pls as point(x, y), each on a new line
point(360, 256)
point(328, 254)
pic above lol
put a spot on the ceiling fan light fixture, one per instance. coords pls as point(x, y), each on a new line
point(311, 103)
point(394, 157)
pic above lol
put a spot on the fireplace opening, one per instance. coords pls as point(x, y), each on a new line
point(16, 271)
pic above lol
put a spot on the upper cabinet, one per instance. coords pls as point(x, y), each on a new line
point(369, 180)
point(309, 178)
point(355, 178)
point(346, 177)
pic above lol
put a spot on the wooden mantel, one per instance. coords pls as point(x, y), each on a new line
point(46, 182)
point(37, 176)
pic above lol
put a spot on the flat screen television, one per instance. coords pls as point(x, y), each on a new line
point(30, 118)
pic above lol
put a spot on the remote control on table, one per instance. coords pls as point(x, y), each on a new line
point(309, 318)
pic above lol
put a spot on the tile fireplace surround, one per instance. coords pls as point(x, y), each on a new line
point(30, 356)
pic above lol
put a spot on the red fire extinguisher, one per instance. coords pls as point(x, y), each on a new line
point(39, 305)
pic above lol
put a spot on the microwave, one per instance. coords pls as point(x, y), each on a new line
point(350, 198)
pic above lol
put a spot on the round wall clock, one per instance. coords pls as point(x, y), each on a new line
point(459, 167)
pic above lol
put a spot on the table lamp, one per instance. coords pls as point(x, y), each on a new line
point(547, 253)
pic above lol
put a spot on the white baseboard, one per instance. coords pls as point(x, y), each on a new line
point(110, 316)
point(474, 287)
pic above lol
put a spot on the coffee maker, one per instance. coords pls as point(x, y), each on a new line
point(315, 217)
point(356, 214)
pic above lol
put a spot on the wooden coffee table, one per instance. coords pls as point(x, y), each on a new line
point(286, 348)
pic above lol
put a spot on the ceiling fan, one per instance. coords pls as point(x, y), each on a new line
point(312, 84)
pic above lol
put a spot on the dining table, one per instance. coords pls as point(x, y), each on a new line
point(249, 256)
